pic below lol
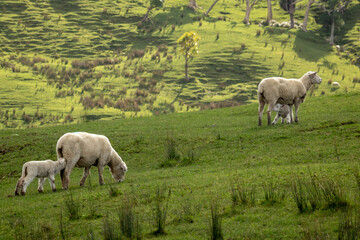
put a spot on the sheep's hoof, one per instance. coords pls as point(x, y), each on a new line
point(40, 191)
point(23, 193)
point(54, 190)
point(16, 194)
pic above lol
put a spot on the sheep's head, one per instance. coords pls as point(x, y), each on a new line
point(315, 79)
point(118, 172)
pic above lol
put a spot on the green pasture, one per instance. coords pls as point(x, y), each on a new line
point(215, 153)
point(138, 70)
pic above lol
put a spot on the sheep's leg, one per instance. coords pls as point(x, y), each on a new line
point(292, 114)
point(41, 185)
point(66, 174)
point(19, 186)
point(100, 169)
point(296, 112)
point(261, 111)
point(85, 175)
point(282, 120)
point(276, 119)
point(52, 182)
point(27, 180)
point(270, 109)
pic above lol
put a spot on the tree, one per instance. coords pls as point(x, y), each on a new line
point(153, 4)
point(211, 7)
point(334, 10)
point(269, 16)
point(307, 14)
point(289, 6)
point(192, 4)
point(249, 6)
point(189, 48)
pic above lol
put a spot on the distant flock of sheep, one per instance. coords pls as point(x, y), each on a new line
point(84, 150)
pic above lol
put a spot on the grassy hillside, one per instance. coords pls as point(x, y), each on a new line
point(219, 158)
point(75, 61)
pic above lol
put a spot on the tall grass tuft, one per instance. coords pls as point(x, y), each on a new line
point(241, 194)
point(349, 225)
point(215, 223)
point(298, 193)
point(172, 156)
point(129, 222)
point(72, 206)
point(109, 230)
point(333, 194)
point(272, 194)
point(161, 208)
point(114, 190)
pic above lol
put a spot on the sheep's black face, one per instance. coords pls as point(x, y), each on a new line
point(118, 173)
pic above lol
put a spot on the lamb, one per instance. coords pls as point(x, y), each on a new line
point(283, 112)
point(284, 91)
point(84, 150)
point(41, 169)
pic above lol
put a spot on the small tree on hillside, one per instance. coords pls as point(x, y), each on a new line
point(269, 8)
point(334, 10)
point(306, 17)
point(189, 48)
point(192, 4)
point(153, 4)
point(289, 6)
point(249, 6)
point(211, 7)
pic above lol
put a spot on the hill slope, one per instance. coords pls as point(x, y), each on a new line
point(85, 60)
point(221, 152)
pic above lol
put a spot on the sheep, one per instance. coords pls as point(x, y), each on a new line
point(285, 91)
point(41, 169)
point(335, 84)
point(84, 150)
point(284, 111)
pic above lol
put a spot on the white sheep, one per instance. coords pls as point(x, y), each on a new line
point(284, 91)
point(84, 150)
point(335, 84)
point(284, 111)
point(41, 169)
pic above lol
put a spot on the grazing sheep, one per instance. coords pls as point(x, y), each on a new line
point(335, 84)
point(41, 169)
point(283, 111)
point(84, 150)
point(285, 91)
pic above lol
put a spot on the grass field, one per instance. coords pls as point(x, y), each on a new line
point(77, 61)
point(190, 166)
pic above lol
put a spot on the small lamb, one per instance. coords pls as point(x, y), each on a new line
point(41, 169)
point(284, 111)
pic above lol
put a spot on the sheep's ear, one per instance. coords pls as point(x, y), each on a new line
point(313, 74)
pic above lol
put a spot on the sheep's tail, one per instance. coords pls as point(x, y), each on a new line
point(60, 154)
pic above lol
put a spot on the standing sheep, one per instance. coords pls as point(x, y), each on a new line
point(41, 169)
point(284, 111)
point(84, 150)
point(285, 91)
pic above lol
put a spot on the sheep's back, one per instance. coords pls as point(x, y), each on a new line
point(280, 89)
point(85, 148)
